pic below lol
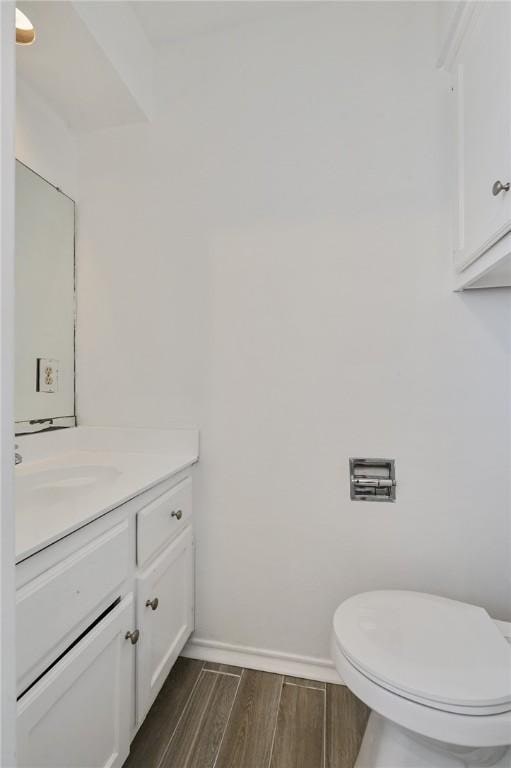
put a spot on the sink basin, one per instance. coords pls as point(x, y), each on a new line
point(50, 486)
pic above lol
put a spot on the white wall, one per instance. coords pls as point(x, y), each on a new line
point(270, 259)
point(116, 29)
point(43, 140)
point(448, 13)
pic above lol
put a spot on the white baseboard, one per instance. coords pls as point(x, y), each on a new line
point(307, 667)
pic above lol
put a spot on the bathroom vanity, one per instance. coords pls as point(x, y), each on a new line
point(104, 586)
point(104, 534)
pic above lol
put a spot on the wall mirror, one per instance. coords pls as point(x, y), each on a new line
point(45, 305)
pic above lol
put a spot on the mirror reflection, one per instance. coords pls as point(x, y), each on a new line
point(45, 304)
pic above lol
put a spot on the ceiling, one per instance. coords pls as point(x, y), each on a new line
point(93, 60)
point(68, 68)
point(77, 71)
point(167, 20)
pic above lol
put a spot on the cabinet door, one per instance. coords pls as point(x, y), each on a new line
point(166, 625)
point(483, 96)
point(78, 714)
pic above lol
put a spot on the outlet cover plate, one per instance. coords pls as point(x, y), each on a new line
point(47, 375)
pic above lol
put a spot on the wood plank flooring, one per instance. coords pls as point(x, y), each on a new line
point(218, 716)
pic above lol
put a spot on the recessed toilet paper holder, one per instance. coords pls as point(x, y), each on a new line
point(372, 479)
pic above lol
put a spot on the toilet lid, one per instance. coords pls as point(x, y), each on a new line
point(427, 648)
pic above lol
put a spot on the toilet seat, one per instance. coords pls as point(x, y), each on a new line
point(446, 727)
point(441, 706)
point(439, 653)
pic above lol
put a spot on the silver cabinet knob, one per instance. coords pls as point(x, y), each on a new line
point(152, 603)
point(499, 187)
point(178, 515)
point(132, 636)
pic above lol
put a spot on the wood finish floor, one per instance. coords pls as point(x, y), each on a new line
point(217, 716)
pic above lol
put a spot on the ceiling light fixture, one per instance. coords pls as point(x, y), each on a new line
point(25, 32)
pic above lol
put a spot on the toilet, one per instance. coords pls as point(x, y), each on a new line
point(436, 674)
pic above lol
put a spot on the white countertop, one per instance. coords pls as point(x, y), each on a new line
point(66, 481)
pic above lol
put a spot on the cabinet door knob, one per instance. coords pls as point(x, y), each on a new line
point(178, 515)
point(499, 187)
point(152, 603)
point(132, 636)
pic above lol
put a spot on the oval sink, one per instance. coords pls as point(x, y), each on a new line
point(60, 484)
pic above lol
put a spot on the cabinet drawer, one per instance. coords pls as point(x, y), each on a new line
point(163, 519)
point(52, 609)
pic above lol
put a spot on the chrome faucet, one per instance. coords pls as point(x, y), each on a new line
point(18, 458)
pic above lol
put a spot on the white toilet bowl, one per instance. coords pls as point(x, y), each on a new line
point(436, 674)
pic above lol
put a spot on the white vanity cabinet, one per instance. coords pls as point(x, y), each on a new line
point(477, 56)
point(102, 615)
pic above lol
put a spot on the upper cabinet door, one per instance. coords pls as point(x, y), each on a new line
point(482, 85)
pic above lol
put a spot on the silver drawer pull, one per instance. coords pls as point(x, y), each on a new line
point(178, 515)
point(499, 187)
point(152, 603)
point(132, 636)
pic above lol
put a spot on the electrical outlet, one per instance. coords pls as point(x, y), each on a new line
point(47, 375)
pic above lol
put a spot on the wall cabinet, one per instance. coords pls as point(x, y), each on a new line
point(478, 60)
point(483, 97)
point(98, 634)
